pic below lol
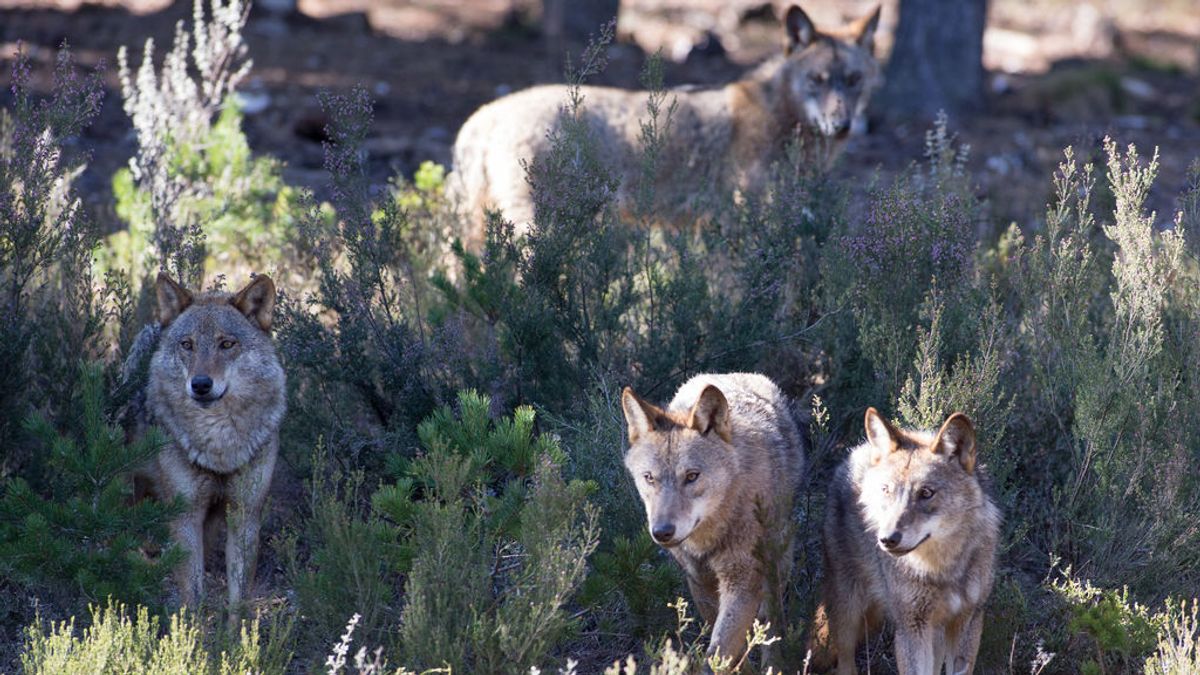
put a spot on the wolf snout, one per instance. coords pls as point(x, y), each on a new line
point(202, 388)
point(663, 533)
point(891, 541)
point(201, 385)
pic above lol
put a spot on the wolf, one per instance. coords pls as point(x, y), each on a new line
point(717, 138)
point(910, 538)
point(216, 387)
point(717, 471)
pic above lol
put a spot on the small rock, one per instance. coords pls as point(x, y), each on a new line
point(1138, 88)
point(252, 101)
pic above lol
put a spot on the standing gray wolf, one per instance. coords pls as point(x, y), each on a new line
point(217, 389)
point(717, 471)
point(724, 137)
point(910, 537)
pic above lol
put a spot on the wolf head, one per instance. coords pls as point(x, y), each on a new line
point(918, 488)
point(682, 463)
point(828, 77)
point(216, 344)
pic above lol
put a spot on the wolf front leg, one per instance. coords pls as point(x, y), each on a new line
point(188, 532)
point(740, 599)
point(962, 655)
point(248, 493)
point(914, 648)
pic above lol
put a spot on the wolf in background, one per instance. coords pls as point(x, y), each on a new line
point(910, 538)
point(718, 138)
point(717, 471)
point(217, 389)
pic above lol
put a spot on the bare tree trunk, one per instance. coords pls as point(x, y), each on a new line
point(937, 60)
point(576, 20)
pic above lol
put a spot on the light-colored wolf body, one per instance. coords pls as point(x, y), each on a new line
point(217, 389)
point(717, 471)
point(910, 538)
point(718, 138)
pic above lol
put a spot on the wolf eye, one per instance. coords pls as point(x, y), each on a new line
point(691, 477)
point(817, 78)
point(227, 344)
point(649, 478)
point(925, 493)
point(853, 79)
point(886, 488)
point(186, 344)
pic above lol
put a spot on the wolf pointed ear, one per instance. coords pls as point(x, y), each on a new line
point(882, 436)
point(711, 413)
point(956, 438)
point(257, 301)
point(640, 416)
point(864, 29)
point(172, 299)
point(800, 29)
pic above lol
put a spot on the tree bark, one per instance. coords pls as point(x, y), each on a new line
point(937, 58)
point(576, 20)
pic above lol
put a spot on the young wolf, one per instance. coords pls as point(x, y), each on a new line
point(910, 537)
point(717, 471)
point(724, 137)
point(217, 389)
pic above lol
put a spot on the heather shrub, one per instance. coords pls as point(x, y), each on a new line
point(194, 198)
point(120, 642)
point(367, 364)
point(1178, 648)
point(52, 311)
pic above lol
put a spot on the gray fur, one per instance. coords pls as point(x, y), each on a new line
point(747, 453)
point(223, 447)
point(930, 584)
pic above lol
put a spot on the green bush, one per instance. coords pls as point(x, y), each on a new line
point(500, 541)
point(341, 559)
point(84, 535)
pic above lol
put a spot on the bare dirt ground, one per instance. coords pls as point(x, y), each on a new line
point(1062, 73)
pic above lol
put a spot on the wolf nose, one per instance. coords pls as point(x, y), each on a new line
point(201, 385)
point(663, 533)
point(842, 129)
point(892, 540)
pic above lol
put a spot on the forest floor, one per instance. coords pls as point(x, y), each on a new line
point(1060, 73)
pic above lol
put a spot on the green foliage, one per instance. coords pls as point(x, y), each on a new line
point(84, 533)
point(248, 213)
point(118, 643)
point(500, 541)
point(1122, 631)
point(636, 568)
point(342, 558)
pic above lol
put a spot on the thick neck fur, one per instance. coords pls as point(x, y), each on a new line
point(223, 438)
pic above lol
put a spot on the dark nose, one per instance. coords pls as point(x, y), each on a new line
point(663, 533)
point(843, 128)
point(892, 540)
point(201, 385)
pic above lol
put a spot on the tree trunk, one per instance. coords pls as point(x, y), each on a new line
point(937, 58)
point(576, 20)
